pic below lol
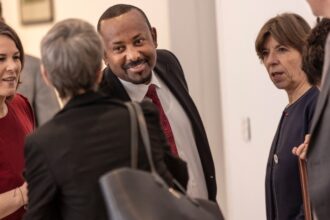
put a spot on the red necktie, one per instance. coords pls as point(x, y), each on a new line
point(152, 94)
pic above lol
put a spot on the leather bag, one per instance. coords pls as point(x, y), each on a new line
point(132, 194)
point(304, 189)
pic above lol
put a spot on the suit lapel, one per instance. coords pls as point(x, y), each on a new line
point(111, 86)
point(321, 103)
point(178, 89)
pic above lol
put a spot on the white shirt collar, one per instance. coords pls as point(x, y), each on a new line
point(137, 92)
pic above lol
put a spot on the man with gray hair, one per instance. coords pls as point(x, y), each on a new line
point(87, 138)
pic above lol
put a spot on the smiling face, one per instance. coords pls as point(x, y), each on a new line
point(283, 64)
point(10, 66)
point(130, 46)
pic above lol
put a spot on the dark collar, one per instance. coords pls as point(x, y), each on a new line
point(87, 98)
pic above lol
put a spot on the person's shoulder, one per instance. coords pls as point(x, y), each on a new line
point(167, 58)
point(20, 100)
point(313, 93)
point(21, 104)
point(31, 62)
point(163, 54)
point(31, 58)
point(309, 99)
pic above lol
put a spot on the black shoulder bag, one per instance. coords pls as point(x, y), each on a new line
point(133, 194)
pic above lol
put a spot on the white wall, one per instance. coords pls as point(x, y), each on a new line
point(237, 83)
point(89, 10)
point(246, 91)
point(194, 40)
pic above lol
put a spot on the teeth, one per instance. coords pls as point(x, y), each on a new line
point(9, 79)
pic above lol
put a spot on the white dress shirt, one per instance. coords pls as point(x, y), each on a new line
point(181, 128)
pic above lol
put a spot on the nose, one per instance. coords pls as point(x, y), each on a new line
point(271, 59)
point(132, 53)
point(13, 65)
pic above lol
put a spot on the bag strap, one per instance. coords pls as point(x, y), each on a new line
point(137, 118)
point(138, 121)
point(134, 135)
point(144, 134)
point(304, 188)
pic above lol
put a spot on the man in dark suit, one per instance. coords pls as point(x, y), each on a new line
point(133, 64)
point(89, 137)
point(318, 154)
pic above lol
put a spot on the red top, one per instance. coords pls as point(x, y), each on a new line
point(18, 123)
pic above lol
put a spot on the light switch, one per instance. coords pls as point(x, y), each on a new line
point(246, 129)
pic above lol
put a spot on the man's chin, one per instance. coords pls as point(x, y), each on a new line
point(141, 79)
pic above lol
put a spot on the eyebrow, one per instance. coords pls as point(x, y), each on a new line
point(137, 36)
point(277, 46)
point(133, 38)
point(5, 54)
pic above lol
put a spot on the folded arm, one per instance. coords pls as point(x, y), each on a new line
point(12, 200)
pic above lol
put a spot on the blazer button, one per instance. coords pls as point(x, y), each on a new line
point(275, 158)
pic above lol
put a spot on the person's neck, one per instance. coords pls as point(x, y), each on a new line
point(3, 107)
point(297, 92)
point(65, 100)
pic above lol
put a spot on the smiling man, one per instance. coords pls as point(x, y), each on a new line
point(318, 153)
point(136, 69)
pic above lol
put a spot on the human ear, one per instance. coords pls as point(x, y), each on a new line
point(154, 36)
point(45, 76)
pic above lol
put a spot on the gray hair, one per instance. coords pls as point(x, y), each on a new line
point(72, 53)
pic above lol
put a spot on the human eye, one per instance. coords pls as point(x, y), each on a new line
point(118, 49)
point(138, 41)
point(264, 53)
point(17, 57)
point(2, 58)
point(282, 49)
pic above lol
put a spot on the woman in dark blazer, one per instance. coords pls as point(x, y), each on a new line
point(87, 138)
point(279, 45)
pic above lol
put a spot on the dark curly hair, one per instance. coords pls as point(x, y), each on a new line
point(313, 55)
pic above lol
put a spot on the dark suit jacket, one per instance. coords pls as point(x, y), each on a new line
point(169, 70)
point(318, 155)
point(66, 156)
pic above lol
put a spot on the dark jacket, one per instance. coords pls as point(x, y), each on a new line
point(169, 70)
point(283, 189)
point(318, 155)
point(66, 156)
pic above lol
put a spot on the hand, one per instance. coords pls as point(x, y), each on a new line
point(301, 150)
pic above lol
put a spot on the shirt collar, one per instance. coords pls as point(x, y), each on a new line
point(137, 92)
